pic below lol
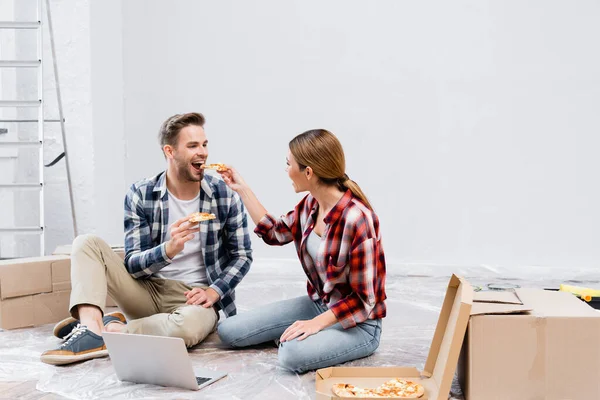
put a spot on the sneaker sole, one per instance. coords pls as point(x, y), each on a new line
point(63, 360)
point(70, 320)
point(119, 315)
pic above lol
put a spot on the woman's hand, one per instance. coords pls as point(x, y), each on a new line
point(301, 330)
point(233, 179)
point(306, 328)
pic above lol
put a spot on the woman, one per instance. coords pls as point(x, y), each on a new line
point(336, 234)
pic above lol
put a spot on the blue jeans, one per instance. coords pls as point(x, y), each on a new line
point(331, 346)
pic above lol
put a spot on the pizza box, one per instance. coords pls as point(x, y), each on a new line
point(545, 343)
point(441, 363)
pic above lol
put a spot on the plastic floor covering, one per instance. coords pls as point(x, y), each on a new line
point(415, 294)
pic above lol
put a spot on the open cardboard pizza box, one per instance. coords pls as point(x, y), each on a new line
point(441, 363)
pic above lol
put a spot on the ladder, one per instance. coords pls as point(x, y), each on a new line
point(40, 120)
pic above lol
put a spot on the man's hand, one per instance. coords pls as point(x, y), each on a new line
point(181, 232)
point(204, 297)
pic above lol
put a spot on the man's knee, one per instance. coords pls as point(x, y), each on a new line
point(192, 324)
point(82, 242)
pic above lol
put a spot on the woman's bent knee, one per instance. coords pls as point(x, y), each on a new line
point(227, 332)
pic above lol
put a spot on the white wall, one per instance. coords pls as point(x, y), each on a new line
point(472, 125)
point(108, 115)
point(482, 115)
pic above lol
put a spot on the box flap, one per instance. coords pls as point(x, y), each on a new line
point(498, 302)
point(498, 308)
point(449, 334)
point(504, 297)
point(545, 303)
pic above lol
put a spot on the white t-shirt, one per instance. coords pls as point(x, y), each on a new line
point(187, 266)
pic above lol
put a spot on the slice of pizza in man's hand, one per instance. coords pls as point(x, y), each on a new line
point(200, 217)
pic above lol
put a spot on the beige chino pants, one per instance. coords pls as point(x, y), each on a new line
point(152, 306)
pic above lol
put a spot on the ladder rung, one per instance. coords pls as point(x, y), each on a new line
point(25, 143)
point(19, 63)
point(28, 120)
point(21, 185)
point(20, 24)
point(20, 103)
point(24, 229)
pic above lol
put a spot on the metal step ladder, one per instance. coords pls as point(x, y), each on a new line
point(39, 105)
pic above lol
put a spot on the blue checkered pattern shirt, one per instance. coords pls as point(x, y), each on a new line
point(226, 243)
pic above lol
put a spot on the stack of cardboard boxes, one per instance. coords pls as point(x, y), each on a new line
point(36, 291)
point(27, 295)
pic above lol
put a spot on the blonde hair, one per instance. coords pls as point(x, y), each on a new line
point(320, 150)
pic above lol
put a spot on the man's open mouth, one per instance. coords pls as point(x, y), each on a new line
point(197, 165)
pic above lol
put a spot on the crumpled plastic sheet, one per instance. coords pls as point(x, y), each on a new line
point(415, 293)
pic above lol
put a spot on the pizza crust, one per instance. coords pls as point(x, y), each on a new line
point(343, 390)
point(200, 216)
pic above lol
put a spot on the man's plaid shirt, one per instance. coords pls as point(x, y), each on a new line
point(225, 241)
point(349, 272)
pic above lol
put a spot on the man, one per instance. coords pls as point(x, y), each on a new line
point(176, 274)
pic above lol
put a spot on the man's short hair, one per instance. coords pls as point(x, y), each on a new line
point(170, 129)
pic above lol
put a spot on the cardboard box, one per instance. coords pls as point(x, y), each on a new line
point(61, 274)
point(34, 310)
point(531, 344)
point(25, 276)
point(16, 312)
point(22, 282)
point(49, 308)
point(441, 363)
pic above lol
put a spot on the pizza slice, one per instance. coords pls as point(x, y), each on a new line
point(217, 167)
point(394, 388)
point(349, 391)
point(401, 388)
point(201, 216)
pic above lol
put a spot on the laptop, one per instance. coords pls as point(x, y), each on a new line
point(157, 360)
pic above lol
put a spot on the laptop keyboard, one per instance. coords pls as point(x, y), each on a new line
point(201, 380)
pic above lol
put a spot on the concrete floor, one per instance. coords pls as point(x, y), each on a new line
point(415, 294)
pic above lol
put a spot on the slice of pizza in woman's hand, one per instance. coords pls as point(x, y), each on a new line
point(219, 167)
point(394, 388)
point(201, 216)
